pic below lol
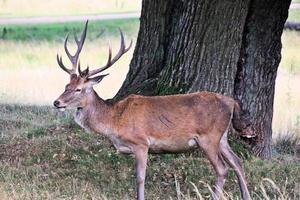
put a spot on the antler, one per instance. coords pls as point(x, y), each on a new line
point(73, 59)
point(110, 61)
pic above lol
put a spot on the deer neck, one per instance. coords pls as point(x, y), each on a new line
point(96, 115)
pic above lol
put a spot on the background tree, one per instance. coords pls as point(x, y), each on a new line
point(227, 46)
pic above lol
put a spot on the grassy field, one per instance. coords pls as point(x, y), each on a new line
point(57, 32)
point(294, 15)
point(287, 96)
point(28, 58)
point(21, 8)
point(44, 155)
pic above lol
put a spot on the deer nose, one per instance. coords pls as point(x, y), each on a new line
point(56, 103)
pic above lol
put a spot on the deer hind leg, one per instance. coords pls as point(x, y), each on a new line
point(237, 164)
point(216, 159)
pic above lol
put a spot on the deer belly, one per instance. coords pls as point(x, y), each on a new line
point(172, 146)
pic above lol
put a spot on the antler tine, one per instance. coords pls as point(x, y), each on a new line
point(123, 48)
point(60, 63)
point(66, 48)
point(79, 69)
point(83, 73)
point(79, 43)
point(110, 62)
point(127, 49)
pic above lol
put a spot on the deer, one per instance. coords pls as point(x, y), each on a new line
point(140, 125)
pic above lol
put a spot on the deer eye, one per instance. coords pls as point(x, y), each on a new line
point(78, 90)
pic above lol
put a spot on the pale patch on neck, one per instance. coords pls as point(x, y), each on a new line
point(83, 118)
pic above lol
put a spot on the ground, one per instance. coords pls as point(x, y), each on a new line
point(45, 155)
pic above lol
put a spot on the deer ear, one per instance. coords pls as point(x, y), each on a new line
point(97, 79)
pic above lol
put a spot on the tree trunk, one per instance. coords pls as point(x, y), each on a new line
point(226, 46)
point(257, 67)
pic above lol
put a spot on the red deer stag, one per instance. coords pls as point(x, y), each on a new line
point(140, 124)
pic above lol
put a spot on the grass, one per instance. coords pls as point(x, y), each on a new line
point(287, 96)
point(28, 63)
point(290, 52)
point(19, 8)
point(294, 15)
point(49, 157)
point(287, 143)
point(57, 32)
point(286, 103)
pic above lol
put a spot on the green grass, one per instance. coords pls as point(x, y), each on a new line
point(294, 15)
point(28, 58)
point(49, 157)
point(57, 32)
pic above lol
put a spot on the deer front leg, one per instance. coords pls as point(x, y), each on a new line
point(141, 155)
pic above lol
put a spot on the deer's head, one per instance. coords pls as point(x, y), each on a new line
point(81, 84)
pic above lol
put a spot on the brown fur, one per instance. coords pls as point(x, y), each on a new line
point(158, 124)
point(140, 124)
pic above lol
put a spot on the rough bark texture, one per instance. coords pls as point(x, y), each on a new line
point(226, 46)
point(147, 62)
point(257, 69)
point(184, 45)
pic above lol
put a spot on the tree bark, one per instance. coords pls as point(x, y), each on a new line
point(226, 46)
point(257, 67)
